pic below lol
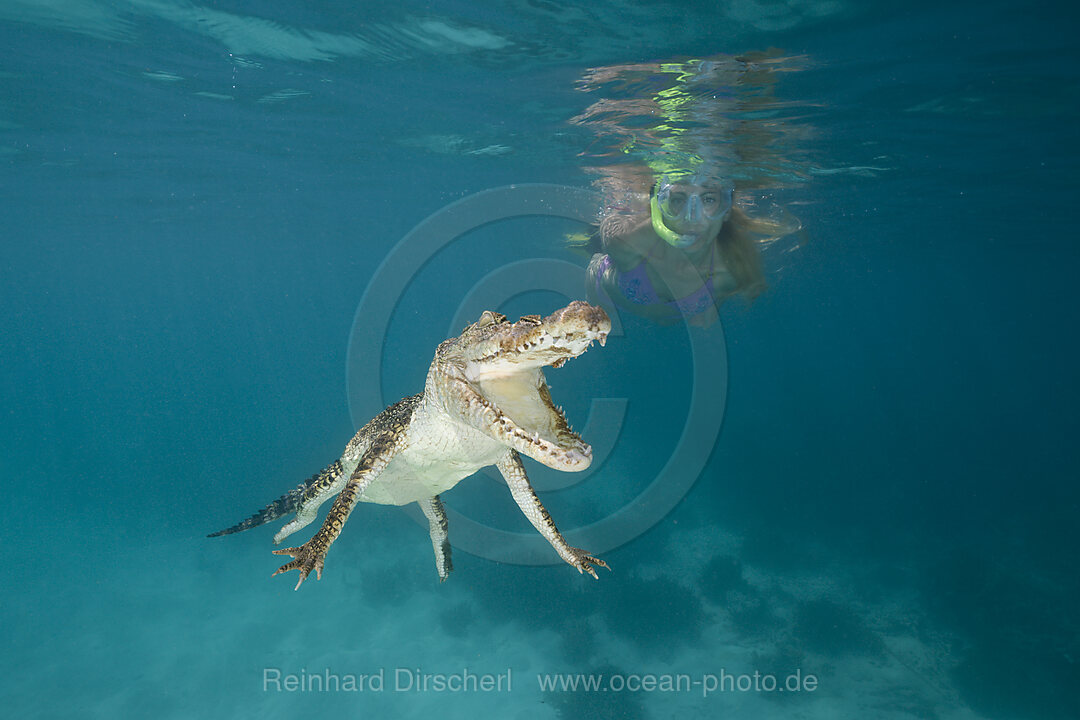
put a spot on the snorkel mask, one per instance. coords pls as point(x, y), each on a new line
point(689, 205)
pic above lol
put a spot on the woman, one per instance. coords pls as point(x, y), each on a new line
point(691, 250)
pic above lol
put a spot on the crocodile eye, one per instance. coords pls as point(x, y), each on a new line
point(490, 317)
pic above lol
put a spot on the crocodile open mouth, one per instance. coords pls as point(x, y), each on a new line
point(504, 364)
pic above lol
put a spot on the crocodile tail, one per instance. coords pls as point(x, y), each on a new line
point(288, 502)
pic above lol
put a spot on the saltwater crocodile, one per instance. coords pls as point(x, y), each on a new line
point(485, 402)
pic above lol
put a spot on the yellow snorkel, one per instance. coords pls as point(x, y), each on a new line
point(669, 236)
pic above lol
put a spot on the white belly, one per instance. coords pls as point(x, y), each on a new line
point(439, 454)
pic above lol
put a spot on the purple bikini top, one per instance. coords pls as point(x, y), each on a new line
point(637, 287)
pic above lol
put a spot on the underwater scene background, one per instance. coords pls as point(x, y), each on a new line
point(199, 202)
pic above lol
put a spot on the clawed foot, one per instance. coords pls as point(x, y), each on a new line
point(308, 558)
point(584, 562)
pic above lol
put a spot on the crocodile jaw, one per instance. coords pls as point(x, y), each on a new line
point(527, 420)
point(501, 348)
point(491, 378)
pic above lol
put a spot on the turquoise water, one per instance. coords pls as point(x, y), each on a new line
point(198, 200)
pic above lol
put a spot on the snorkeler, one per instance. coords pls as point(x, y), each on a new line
point(691, 250)
point(674, 143)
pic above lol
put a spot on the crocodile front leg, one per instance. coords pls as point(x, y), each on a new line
point(312, 554)
point(437, 525)
point(521, 489)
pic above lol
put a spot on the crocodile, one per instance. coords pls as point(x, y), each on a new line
point(485, 402)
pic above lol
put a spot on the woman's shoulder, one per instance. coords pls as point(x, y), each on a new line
point(629, 238)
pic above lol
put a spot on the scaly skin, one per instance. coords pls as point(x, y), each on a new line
point(514, 473)
point(312, 554)
point(485, 402)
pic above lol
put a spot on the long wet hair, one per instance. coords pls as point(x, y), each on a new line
point(739, 240)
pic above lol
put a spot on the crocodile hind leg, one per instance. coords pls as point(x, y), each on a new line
point(329, 482)
point(312, 554)
point(521, 489)
point(436, 515)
